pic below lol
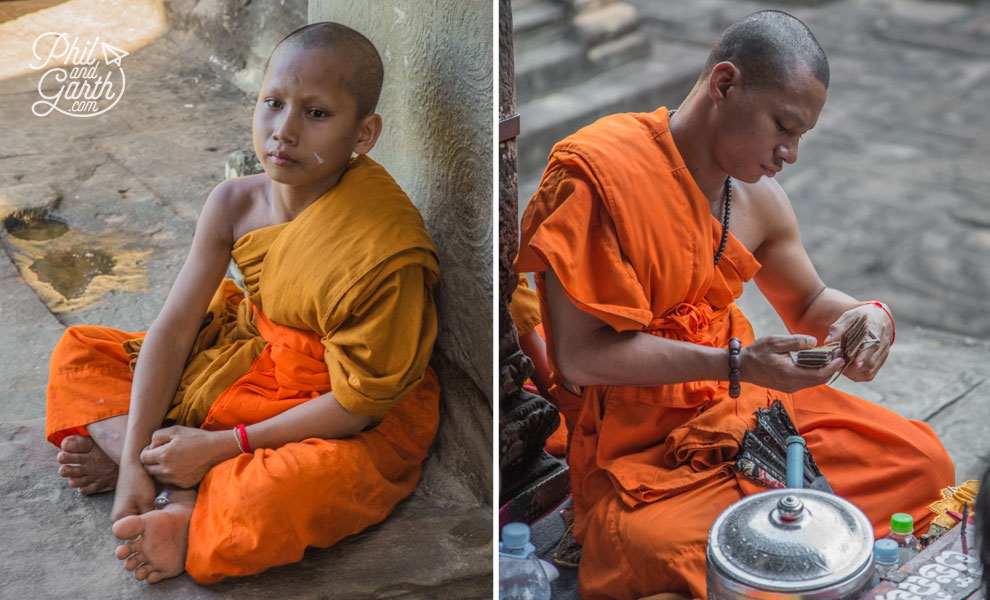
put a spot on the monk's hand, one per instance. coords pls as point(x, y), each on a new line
point(181, 456)
point(767, 362)
point(135, 493)
point(865, 365)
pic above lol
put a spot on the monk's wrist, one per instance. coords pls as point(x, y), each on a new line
point(735, 348)
point(130, 457)
point(224, 446)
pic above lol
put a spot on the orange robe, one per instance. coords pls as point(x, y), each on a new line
point(629, 235)
point(525, 308)
point(340, 299)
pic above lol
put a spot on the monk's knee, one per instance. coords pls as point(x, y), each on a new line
point(943, 471)
point(945, 468)
point(940, 471)
point(73, 339)
point(81, 336)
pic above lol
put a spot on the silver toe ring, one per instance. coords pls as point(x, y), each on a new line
point(162, 499)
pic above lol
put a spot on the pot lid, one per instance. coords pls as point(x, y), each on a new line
point(791, 540)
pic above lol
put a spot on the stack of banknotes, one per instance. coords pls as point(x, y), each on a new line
point(854, 339)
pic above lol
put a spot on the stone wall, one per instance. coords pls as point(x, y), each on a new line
point(239, 34)
point(437, 142)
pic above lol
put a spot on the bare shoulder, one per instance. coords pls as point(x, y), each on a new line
point(765, 212)
point(239, 193)
point(234, 205)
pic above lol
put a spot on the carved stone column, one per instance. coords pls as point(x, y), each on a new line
point(525, 420)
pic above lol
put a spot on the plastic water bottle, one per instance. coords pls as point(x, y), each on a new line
point(521, 575)
point(902, 532)
point(884, 559)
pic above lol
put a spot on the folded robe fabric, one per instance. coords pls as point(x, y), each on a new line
point(623, 226)
point(525, 307)
point(339, 299)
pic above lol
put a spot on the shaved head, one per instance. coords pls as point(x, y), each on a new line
point(766, 47)
point(367, 72)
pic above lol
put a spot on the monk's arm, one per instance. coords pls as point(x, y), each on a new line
point(535, 348)
point(787, 277)
point(790, 282)
point(590, 352)
point(167, 344)
point(375, 357)
point(181, 456)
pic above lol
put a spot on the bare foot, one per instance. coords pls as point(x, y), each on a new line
point(86, 466)
point(156, 542)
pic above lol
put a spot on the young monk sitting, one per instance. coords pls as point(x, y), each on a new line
point(299, 411)
point(642, 232)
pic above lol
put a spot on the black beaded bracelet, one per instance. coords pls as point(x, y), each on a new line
point(734, 347)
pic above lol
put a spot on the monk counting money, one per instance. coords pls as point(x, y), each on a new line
point(641, 234)
point(244, 427)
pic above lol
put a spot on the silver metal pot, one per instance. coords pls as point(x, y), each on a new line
point(790, 543)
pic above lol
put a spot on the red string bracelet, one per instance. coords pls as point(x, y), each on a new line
point(893, 328)
point(242, 437)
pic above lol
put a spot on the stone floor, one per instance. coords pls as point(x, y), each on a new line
point(130, 184)
point(890, 190)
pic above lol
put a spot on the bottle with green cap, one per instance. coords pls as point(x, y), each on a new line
point(902, 532)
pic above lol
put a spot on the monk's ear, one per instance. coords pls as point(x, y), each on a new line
point(724, 77)
point(369, 128)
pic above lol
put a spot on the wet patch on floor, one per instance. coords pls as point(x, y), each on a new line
point(34, 225)
point(68, 269)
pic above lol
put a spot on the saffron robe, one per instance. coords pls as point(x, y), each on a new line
point(626, 230)
point(525, 308)
point(340, 299)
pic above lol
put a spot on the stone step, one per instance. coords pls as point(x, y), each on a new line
point(664, 77)
point(565, 62)
point(537, 23)
point(602, 36)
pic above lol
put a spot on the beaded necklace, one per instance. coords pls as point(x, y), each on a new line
point(725, 211)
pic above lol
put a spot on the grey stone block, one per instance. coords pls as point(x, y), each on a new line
point(27, 196)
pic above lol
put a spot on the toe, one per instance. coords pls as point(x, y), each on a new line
point(135, 561)
point(77, 444)
point(141, 573)
point(128, 527)
point(124, 551)
point(71, 471)
point(71, 458)
point(95, 487)
point(155, 576)
point(79, 482)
